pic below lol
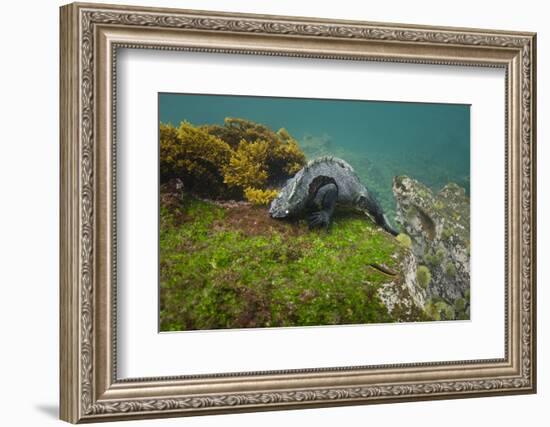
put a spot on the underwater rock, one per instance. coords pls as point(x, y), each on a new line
point(439, 228)
point(238, 268)
point(403, 297)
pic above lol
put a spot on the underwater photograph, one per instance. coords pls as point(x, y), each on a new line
point(294, 212)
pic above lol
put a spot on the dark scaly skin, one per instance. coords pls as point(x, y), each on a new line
point(325, 200)
point(315, 189)
point(370, 205)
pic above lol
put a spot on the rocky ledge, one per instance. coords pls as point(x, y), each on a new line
point(438, 225)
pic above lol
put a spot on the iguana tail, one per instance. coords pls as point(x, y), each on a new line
point(388, 227)
point(371, 206)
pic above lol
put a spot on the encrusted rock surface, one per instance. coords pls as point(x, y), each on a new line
point(404, 297)
point(439, 228)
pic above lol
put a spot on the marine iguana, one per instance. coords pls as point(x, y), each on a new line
point(319, 187)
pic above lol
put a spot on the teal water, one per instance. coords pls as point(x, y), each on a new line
point(428, 142)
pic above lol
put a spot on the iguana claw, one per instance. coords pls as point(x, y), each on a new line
point(318, 220)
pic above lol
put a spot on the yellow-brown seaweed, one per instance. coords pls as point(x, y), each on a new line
point(241, 159)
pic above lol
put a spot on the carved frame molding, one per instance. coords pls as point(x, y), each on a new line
point(90, 36)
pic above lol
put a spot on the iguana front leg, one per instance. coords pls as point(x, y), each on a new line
point(325, 199)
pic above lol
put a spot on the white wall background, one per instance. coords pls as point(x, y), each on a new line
point(29, 171)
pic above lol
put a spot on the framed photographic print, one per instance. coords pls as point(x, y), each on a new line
point(266, 212)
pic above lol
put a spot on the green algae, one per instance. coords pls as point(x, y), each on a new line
point(217, 272)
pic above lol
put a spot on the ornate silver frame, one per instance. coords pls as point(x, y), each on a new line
point(90, 36)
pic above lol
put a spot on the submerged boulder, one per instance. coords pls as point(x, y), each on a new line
point(404, 297)
point(439, 228)
point(230, 265)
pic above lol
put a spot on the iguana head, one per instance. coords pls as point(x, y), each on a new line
point(295, 194)
point(288, 202)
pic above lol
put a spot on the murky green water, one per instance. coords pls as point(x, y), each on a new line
point(429, 142)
